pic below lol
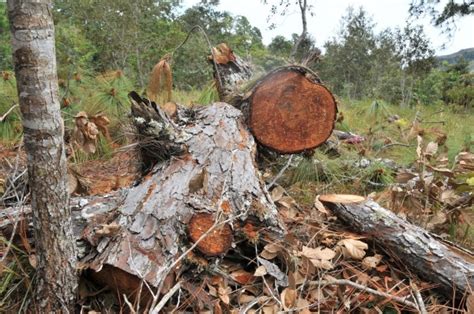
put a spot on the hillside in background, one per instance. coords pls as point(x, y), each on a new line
point(467, 54)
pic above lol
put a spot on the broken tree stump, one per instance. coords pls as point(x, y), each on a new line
point(231, 74)
point(288, 110)
point(205, 192)
point(434, 261)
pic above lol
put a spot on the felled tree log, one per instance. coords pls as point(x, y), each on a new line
point(206, 190)
point(288, 110)
point(449, 267)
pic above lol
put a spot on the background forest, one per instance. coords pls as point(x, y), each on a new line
point(404, 131)
point(395, 65)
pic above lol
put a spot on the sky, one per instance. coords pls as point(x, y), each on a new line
point(327, 16)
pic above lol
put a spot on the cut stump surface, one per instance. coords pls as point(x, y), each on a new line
point(291, 113)
point(219, 239)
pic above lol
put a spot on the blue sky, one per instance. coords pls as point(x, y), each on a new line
point(327, 15)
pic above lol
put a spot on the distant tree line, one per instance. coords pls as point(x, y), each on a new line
point(395, 65)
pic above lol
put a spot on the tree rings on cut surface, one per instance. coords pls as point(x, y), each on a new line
point(216, 242)
point(290, 113)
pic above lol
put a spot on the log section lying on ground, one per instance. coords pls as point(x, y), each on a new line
point(451, 268)
point(288, 110)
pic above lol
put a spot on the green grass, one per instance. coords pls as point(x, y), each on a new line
point(363, 118)
point(10, 128)
point(340, 175)
point(16, 280)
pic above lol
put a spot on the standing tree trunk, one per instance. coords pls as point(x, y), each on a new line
point(32, 27)
point(303, 8)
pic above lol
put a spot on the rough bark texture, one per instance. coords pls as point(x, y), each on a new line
point(85, 212)
point(451, 268)
point(35, 68)
point(213, 181)
point(232, 73)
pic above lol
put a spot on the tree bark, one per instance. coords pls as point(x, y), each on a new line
point(451, 268)
point(231, 73)
point(35, 68)
point(207, 193)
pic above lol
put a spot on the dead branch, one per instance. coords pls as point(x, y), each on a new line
point(8, 112)
point(435, 261)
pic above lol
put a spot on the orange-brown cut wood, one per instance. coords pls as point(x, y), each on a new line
point(216, 242)
point(290, 113)
point(341, 198)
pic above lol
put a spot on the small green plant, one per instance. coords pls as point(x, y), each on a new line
point(10, 127)
point(111, 95)
point(307, 170)
point(376, 176)
point(209, 94)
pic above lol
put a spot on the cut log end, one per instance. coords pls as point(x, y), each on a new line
point(217, 242)
point(291, 113)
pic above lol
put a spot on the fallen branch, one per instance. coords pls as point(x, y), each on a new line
point(434, 122)
point(448, 267)
point(390, 145)
point(419, 299)
point(280, 173)
point(165, 298)
point(345, 282)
